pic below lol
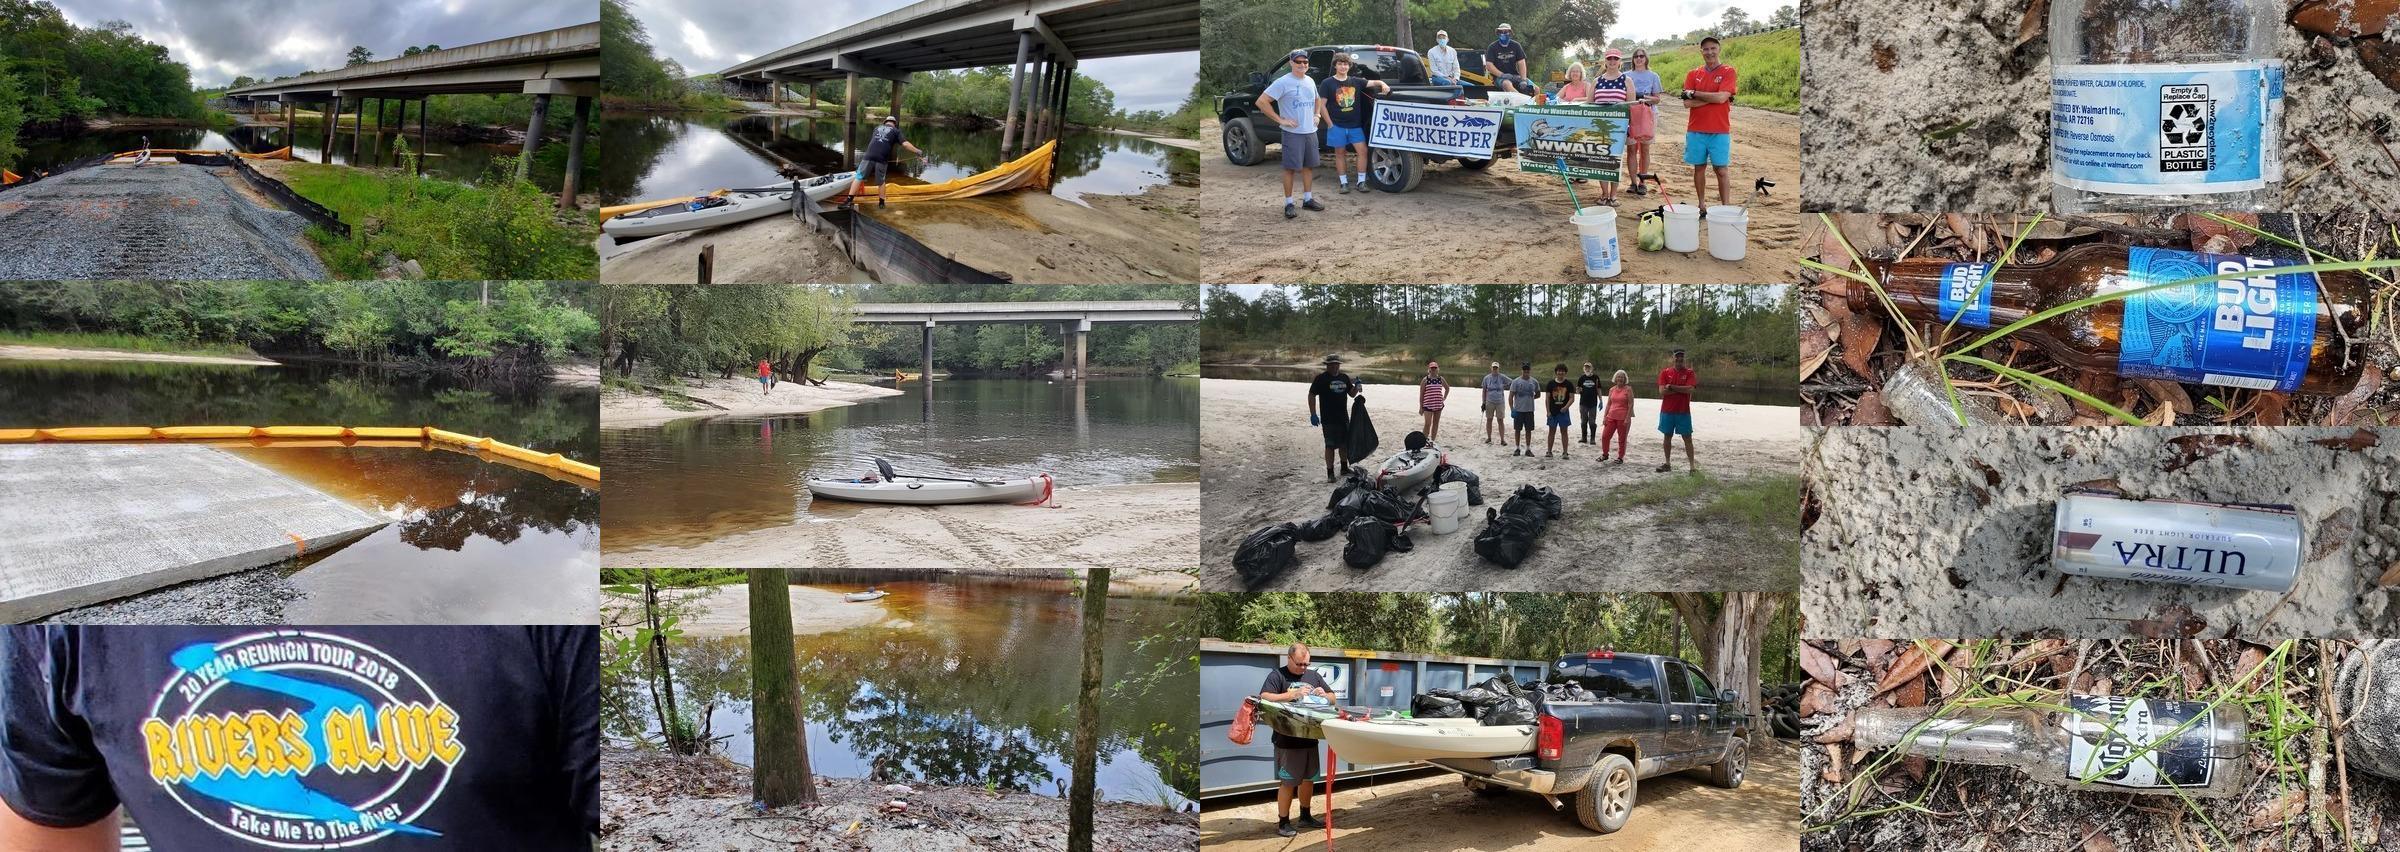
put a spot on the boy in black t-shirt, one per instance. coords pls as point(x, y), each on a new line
point(1329, 409)
point(1560, 395)
point(1342, 110)
point(1589, 388)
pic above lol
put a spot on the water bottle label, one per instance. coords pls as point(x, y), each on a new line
point(2252, 332)
point(2139, 742)
point(1964, 294)
point(2162, 129)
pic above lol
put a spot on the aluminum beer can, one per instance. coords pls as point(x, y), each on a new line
point(2234, 545)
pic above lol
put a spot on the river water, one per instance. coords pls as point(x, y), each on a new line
point(971, 682)
point(1644, 382)
point(659, 155)
point(470, 542)
point(460, 161)
point(694, 481)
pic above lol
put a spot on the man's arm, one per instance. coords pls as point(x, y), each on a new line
point(1266, 105)
point(19, 833)
point(1380, 87)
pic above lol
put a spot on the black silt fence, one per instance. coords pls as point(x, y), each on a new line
point(319, 214)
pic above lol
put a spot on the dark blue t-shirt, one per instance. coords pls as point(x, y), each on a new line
point(886, 140)
point(250, 738)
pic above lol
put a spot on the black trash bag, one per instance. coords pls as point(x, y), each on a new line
point(1529, 499)
point(1325, 526)
point(1453, 473)
point(1362, 441)
point(1502, 684)
point(1430, 706)
point(1347, 485)
point(1507, 538)
point(1568, 692)
point(1513, 711)
point(1265, 553)
point(1370, 540)
point(1477, 697)
point(1400, 542)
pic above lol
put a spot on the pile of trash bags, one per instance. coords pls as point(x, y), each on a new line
point(1499, 700)
point(1372, 520)
point(1510, 532)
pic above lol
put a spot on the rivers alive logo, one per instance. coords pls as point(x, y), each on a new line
point(301, 740)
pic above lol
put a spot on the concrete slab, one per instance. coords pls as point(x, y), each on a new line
point(81, 524)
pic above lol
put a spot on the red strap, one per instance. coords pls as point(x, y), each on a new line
point(1046, 490)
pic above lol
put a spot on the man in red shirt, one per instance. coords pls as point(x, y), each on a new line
point(1708, 130)
point(1675, 384)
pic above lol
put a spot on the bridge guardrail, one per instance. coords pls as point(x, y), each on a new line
point(319, 214)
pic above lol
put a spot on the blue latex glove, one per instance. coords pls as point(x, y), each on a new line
point(1312, 421)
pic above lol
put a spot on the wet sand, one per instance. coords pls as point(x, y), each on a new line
point(52, 353)
point(713, 397)
point(1038, 238)
point(1264, 464)
point(1143, 533)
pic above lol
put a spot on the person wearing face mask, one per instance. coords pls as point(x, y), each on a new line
point(1504, 59)
point(1441, 64)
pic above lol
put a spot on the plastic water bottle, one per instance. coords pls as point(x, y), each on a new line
point(2164, 105)
point(2114, 743)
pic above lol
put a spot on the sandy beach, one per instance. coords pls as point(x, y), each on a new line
point(1264, 465)
point(713, 397)
point(1498, 225)
point(773, 249)
point(1143, 533)
point(720, 611)
point(53, 353)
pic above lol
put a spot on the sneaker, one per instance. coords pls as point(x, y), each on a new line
point(1562, 454)
point(1312, 204)
point(1620, 459)
point(1307, 821)
point(1345, 188)
point(1665, 467)
point(1329, 474)
point(1547, 454)
point(1288, 212)
point(879, 202)
point(1283, 828)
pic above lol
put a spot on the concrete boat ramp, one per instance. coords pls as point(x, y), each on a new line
point(86, 523)
point(156, 222)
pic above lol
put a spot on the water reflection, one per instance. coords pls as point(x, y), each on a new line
point(445, 158)
point(1644, 381)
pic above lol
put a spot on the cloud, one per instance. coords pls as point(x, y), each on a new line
point(221, 39)
point(696, 41)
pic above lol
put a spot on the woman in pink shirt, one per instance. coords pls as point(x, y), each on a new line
point(1618, 421)
point(1432, 394)
point(1577, 89)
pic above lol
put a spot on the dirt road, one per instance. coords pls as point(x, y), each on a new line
point(1435, 813)
point(1498, 225)
point(1263, 464)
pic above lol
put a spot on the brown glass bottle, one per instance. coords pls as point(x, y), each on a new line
point(2092, 338)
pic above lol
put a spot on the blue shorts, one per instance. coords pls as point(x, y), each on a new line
point(1561, 420)
point(1338, 136)
point(1679, 423)
point(1707, 149)
point(1299, 151)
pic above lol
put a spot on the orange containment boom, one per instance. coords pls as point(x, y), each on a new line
point(8, 177)
point(316, 436)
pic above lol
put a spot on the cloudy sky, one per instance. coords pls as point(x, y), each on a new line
point(1652, 21)
point(221, 39)
point(707, 35)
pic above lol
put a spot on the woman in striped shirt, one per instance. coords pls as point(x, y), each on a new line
point(1612, 87)
point(1432, 394)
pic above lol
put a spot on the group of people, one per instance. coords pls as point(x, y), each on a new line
point(1336, 108)
point(1509, 404)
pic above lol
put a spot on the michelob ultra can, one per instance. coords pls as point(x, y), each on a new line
point(2235, 545)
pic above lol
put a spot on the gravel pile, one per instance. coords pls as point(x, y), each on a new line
point(157, 222)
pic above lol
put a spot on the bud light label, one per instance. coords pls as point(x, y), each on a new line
point(2240, 546)
point(1965, 295)
point(2139, 742)
point(2163, 129)
point(2254, 332)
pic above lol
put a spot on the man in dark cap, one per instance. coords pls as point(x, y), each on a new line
point(1329, 409)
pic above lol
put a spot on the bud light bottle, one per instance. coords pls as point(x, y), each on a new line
point(2162, 105)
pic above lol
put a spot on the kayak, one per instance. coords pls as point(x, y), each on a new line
point(1405, 740)
point(863, 597)
point(721, 208)
point(1293, 719)
point(913, 491)
point(1409, 469)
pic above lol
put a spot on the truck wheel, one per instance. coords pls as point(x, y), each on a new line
point(1394, 171)
point(1474, 165)
point(1242, 147)
point(1728, 773)
point(1488, 791)
point(1606, 802)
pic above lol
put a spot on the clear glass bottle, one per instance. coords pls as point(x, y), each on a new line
point(2096, 744)
point(2164, 105)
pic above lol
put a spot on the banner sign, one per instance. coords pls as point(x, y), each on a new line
point(1450, 131)
point(1572, 140)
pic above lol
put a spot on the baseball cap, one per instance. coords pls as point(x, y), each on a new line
point(1612, 54)
point(1434, 364)
point(1296, 56)
point(1505, 28)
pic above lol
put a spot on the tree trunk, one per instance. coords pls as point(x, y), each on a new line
point(1729, 630)
point(1400, 19)
point(670, 723)
point(780, 773)
point(1087, 712)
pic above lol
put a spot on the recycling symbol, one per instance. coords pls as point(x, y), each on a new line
point(2183, 125)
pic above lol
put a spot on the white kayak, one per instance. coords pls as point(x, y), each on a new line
point(913, 491)
point(1409, 469)
point(863, 597)
point(1405, 740)
point(730, 207)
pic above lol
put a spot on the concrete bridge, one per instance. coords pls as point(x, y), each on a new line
point(1040, 40)
point(1082, 314)
point(564, 61)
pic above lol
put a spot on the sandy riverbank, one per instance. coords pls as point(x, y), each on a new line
point(1144, 533)
point(773, 249)
point(1264, 464)
point(1498, 225)
point(10, 352)
point(714, 397)
point(1169, 141)
point(718, 611)
point(650, 801)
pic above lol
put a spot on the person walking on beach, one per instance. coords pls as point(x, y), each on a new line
point(1620, 415)
point(1495, 404)
point(877, 164)
point(1441, 64)
point(766, 377)
point(1587, 402)
point(1522, 391)
point(1641, 119)
point(1296, 759)
point(1504, 59)
point(1331, 391)
point(1560, 395)
point(1432, 394)
point(1291, 101)
point(1342, 109)
point(1708, 130)
point(1675, 384)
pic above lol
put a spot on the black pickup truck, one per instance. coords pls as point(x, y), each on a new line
point(1654, 715)
point(1247, 132)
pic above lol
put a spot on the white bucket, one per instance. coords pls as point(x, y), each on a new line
point(1598, 228)
point(1728, 232)
point(1683, 227)
point(1445, 506)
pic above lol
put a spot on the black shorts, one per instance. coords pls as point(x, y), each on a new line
point(1295, 767)
point(1337, 435)
point(1523, 419)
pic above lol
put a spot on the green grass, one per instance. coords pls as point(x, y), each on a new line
point(1758, 509)
point(503, 229)
point(674, 577)
point(122, 343)
point(1769, 66)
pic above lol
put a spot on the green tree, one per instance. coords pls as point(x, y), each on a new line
point(1735, 20)
point(360, 55)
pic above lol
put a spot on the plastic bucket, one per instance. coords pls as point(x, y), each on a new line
point(1728, 232)
point(1445, 506)
point(1597, 226)
point(1683, 227)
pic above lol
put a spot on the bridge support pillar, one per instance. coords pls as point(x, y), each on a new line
point(423, 106)
point(583, 123)
point(927, 378)
point(897, 85)
point(533, 136)
point(1083, 333)
point(1066, 92)
point(399, 134)
point(289, 111)
point(1016, 87)
point(333, 112)
point(850, 114)
point(358, 128)
point(381, 104)
point(812, 96)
